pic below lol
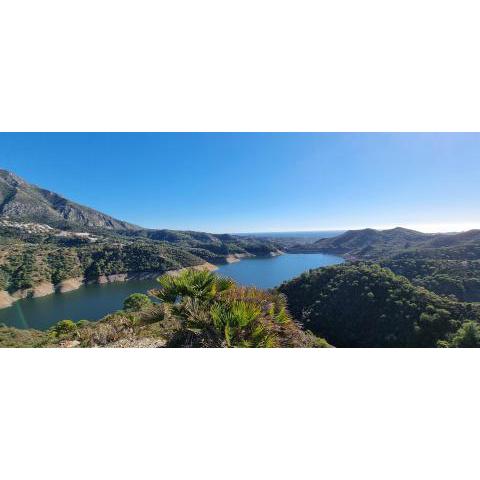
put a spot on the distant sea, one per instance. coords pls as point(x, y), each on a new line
point(306, 236)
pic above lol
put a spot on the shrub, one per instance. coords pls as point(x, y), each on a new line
point(136, 302)
point(64, 327)
point(83, 323)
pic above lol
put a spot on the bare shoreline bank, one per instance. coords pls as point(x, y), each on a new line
point(47, 288)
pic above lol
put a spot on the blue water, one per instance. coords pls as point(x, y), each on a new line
point(271, 272)
point(93, 302)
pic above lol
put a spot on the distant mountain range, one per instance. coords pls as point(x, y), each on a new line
point(371, 243)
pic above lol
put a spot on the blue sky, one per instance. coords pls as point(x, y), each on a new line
point(260, 182)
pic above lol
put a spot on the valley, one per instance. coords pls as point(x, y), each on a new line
point(61, 261)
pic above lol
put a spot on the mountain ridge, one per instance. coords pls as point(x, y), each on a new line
point(26, 202)
point(370, 243)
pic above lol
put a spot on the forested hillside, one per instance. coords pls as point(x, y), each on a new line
point(447, 264)
point(24, 265)
point(365, 305)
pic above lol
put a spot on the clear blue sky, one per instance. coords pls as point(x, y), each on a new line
point(260, 182)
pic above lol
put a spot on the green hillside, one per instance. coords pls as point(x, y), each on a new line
point(365, 305)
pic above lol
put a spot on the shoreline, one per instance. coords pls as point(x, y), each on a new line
point(44, 289)
point(68, 285)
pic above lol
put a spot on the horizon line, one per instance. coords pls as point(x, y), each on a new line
point(423, 228)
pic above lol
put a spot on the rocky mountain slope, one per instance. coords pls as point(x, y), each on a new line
point(21, 201)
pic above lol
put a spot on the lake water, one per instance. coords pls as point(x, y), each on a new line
point(93, 302)
point(271, 272)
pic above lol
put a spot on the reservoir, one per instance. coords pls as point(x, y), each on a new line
point(92, 302)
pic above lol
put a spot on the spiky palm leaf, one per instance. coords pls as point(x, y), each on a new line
point(199, 284)
point(235, 320)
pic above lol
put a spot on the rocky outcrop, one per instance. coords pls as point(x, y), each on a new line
point(118, 277)
point(69, 285)
point(40, 290)
point(69, 344)
point(43, 289)
point(236, 257)
point(5, 299)
point(138, 343)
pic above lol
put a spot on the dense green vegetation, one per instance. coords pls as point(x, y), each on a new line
point(212, 245)
point(24, 265)
point(136, 302)
point(460, 278)
point(467, 336)
point(365, 305)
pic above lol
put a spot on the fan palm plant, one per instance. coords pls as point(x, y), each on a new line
point(210, 314)
point(239, 324)
point(201, 285)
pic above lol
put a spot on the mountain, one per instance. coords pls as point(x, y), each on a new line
point(448, 264)
point(21, 201)
point(367, 241)
point(48, 243)
point(370, 243)
point(454, 239)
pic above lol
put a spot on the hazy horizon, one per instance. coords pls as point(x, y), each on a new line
point(452, 228)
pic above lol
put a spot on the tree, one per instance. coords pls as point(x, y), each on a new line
point(136, 302)
point(467, 336)
point(64, 327)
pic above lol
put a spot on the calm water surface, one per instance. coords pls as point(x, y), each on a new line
point(92, 302)
point(271, 272)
